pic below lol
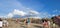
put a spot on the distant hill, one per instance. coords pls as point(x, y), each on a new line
point(16, 16)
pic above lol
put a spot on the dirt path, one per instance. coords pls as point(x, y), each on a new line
point(13, 24)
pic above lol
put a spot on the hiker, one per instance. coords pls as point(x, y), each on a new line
point(49, 24)
point(25, 22)
point(45, 24)
point(29, 22)
point(54, 25)
point(1, 23)
point(5, 23)
point(17, 20)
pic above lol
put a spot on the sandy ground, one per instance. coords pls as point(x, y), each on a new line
point(13, 24)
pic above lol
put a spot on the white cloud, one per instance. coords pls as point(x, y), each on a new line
point(10, 15)
point(20, 9)
point(14, 12)
point(21, 13)
point(33, 12)
point(18, 12)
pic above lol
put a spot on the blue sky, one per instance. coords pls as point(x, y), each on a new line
point(43, 5)
point(51, 7)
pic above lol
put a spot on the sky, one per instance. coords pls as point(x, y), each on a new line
point(37, 8)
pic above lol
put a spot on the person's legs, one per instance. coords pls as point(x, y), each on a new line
point(29, 25)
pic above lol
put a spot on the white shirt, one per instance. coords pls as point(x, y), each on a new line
point(5, 22)
point(49, 22)
point(54, 25)
point(1, 23)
